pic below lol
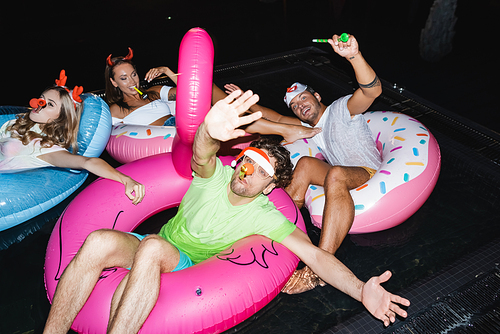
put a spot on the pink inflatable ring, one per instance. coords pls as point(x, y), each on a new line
point(411, 162)
point(209, 297)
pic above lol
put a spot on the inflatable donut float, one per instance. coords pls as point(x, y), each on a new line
point(25, 194)
point(211, 296)
point(130, 142)
point(411, 162)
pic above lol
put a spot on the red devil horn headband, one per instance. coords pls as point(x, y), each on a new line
point(126, 58)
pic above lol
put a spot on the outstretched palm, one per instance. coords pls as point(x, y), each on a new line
point(224, 119)
point(381, 304)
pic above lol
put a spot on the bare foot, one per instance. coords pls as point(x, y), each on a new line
point(301, 281)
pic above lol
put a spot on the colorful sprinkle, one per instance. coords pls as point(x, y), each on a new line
point(382, 188)
point(391, 160)
point(315, 198)
point(167, 136)
point(305, 141)
point(423, 142)
point(400, 129)
point(422, 135)
point(406, 177)
point(310, 152)
point(394, 121)
point(396, 148)
point(148, 132)
point(386, 172)
point(414, 164)
point(295, 155)
point(385, 119)
point(362, 187)
point(133, 133)
point(313, 187)
point(399, 138)
point(423, 128)
point(121, 134)
point(415, 152)
point(359, 207)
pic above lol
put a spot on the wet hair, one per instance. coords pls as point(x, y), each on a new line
point(284, 166)
point(113, 94)
point(62, 131)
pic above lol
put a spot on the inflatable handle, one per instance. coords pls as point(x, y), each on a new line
point(194, 94)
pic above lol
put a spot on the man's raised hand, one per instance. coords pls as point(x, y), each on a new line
point(224, 119)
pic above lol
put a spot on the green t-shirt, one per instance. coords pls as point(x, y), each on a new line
point(208, 223)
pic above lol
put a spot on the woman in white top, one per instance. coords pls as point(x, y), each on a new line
point(42, 137)
point(153, 107)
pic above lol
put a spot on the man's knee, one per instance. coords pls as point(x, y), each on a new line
point(303, 170)
point(154, 245)
point(342, 177)
point(153, 249)
point(335, 176)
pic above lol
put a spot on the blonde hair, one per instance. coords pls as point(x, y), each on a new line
point(62, 131)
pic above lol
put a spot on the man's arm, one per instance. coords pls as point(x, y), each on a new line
point(221, 124)
point(370, 86)
point(379, 302)
point(267, 113)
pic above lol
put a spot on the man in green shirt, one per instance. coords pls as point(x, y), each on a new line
point(202, 228)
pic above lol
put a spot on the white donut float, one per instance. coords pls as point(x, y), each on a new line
point(131, 142)
point(411, 162)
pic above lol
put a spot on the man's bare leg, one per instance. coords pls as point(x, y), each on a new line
point(102, 249)
point(137, 294)
point(338, 213)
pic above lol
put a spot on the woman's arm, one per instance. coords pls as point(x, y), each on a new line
point(133, 189)
point(157, 71)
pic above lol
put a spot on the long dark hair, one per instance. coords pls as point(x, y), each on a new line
point(113, 94)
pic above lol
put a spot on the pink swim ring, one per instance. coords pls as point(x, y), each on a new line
point(209, 297)
point(411, 161)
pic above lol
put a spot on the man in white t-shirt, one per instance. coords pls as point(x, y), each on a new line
point(345, 141)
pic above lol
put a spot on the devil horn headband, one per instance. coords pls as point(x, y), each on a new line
point(127, 57)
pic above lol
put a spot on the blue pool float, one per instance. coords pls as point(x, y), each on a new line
point(28, 194)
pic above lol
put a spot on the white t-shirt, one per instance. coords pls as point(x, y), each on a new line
point(346, 140)
point(16, 157)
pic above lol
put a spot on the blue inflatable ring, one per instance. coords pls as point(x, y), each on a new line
point(27, 194)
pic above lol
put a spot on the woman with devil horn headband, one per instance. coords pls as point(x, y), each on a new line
point(42, 137)
point(154, 107)
point(129, 103)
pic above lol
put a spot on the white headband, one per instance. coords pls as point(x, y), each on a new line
point(259, 157)
point(293, 91)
